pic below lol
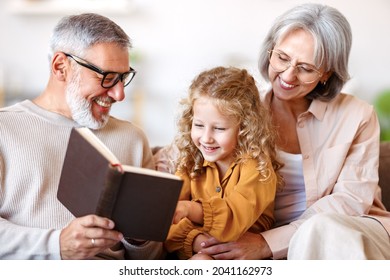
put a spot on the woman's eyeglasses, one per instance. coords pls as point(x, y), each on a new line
point(280, 62)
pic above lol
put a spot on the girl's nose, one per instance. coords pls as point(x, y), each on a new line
point(207, 136)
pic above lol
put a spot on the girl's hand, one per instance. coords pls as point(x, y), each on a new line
point(182, 210)
point(188, 209)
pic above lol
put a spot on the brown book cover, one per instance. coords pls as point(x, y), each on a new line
point(140, 201)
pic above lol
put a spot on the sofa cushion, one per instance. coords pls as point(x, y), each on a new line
point(384, 173)
point(384, 170)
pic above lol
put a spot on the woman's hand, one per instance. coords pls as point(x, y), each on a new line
point(251, 246)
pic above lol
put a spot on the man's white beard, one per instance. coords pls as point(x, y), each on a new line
point(80, 108)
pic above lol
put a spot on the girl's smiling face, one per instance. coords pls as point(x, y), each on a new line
point(213, 133)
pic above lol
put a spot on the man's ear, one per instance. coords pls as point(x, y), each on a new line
point(59, 66)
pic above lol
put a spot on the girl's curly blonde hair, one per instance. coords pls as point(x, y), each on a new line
point(235, 93)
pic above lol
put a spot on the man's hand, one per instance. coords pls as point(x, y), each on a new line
point(87, 236)
point(250, 246)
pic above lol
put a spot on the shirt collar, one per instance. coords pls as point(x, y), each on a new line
point(318, 109)
point(213, 165)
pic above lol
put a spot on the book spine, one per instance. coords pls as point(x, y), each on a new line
point(110, 191)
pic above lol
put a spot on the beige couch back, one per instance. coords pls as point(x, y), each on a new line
point(384, 173)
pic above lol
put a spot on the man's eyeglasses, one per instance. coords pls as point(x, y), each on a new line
point(109, 79)
point(280, 62)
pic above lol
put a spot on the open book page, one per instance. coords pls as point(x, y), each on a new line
point(98, 144)
point(102, 148)
point(149, 172)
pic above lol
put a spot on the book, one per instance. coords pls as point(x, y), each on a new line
point(140, 201)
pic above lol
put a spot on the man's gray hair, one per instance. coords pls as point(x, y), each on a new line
point(76, 33)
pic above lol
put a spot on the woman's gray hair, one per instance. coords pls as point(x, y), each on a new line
point(333, 39)
point(76, 33)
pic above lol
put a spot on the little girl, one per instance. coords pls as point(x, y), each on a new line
point(226, 157)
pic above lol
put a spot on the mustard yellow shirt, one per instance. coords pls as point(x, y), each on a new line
point(239, 202)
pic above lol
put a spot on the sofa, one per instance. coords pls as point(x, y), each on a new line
point(384, 172)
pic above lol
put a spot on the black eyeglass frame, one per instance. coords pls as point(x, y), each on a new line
point(119, 76)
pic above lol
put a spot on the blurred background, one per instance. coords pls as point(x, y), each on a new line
point(176, 39)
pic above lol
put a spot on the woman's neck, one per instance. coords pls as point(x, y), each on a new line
point(290, 108)
point(285, 116)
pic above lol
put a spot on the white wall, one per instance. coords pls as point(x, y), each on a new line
point(176, 39)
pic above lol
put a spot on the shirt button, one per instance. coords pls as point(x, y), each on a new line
point(301, 125)
point(305, 156)
point(218, 189)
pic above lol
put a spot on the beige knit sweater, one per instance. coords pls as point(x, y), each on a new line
point(33, 142)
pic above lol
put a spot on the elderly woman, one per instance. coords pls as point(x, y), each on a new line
point(330, 207)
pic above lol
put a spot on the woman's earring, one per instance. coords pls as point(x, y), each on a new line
point(324, 83)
